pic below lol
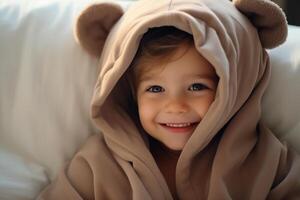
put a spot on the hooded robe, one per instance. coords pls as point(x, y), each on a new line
point(231, 154)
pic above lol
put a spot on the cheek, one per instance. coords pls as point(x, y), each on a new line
point(203, 104)
point(147, 110)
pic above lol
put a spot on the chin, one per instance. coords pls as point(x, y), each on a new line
point(175, 147)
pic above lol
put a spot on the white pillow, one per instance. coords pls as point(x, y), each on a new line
point(20, 179)
point(46, 81)
point(281, 103)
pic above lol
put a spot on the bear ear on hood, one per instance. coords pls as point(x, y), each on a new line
point(94, 24)
point(268, 18)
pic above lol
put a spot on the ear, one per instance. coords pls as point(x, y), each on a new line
point(94, 24)
point(268, 18)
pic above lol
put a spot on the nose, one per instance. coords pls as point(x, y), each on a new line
point(177, 105)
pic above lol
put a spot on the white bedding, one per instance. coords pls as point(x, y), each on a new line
point(20, 179)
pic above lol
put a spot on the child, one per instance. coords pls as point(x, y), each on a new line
point(178, 104)
point(171, 99)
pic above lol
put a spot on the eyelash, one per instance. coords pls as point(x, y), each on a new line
point(151, 89)
point(202, 87)
point(157, 88)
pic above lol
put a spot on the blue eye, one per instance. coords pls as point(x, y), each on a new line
point(197, 87)
point(155, 89)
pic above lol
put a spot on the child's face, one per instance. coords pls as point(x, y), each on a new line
point(173, 99)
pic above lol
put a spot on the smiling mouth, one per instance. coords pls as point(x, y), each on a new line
point(180, 127)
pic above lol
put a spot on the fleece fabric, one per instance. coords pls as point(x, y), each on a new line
point(231, 154)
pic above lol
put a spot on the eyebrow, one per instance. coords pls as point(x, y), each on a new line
point(206, 76)
point(213, 77)
point(145, 78)
point(203, 76)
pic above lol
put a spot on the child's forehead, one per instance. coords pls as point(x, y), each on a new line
point(169, 71)
point(187, 61)
point(157, 64)
point(150, 71)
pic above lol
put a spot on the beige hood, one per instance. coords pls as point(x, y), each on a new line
point(231, 154)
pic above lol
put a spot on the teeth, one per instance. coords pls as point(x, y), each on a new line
point(178, 124)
